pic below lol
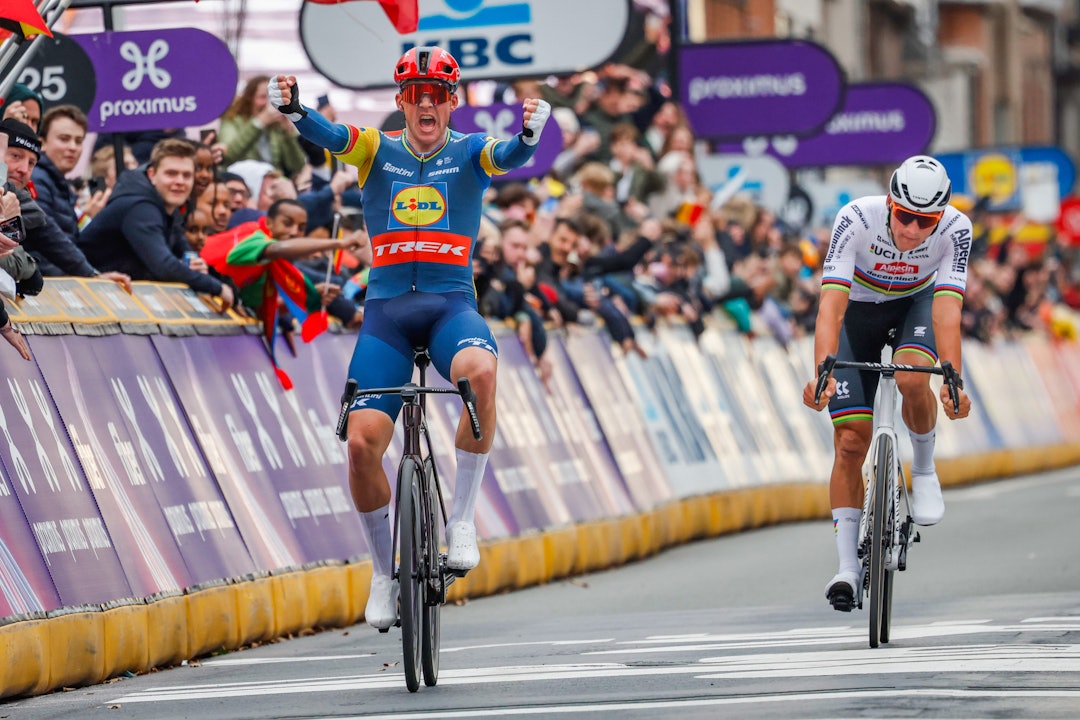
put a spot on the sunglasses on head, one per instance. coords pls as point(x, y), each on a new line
point(414, 92)
point(924, 220)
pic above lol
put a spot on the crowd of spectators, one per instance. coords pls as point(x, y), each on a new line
point(621, 232)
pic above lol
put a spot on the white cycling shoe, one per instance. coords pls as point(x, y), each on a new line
point(927, 504)
point(462, 552)
point(840, 591)
point(382, 605)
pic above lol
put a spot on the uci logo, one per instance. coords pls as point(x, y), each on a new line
point(418, 206)
point(145, 65)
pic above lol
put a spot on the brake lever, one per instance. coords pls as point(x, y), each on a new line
point(469, 398)
point(953, 381)
point(825, 369)
point(347, 399)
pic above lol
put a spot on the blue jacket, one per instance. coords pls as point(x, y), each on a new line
point(55, 197)
point(135, 235)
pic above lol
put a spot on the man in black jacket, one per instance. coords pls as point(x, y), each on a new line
point(54, 251)
point(63, 130)
point(140, 230)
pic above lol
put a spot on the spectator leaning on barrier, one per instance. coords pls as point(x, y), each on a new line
point(7, 331)
point(54, 252)
point(63, 130)
point(139, 232)
point(416, 295)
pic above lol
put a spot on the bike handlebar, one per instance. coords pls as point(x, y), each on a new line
point(408, 392)
point(952, 377)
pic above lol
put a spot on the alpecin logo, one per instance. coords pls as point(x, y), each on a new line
point(896, 268)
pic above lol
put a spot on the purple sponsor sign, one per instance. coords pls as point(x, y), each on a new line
point(157, 449)
point(766, 87)
point(282, 478)
point(620, 419)
point(583, 434)
point(151, 79)
point(879, 124)
point(100, 380)
point(504, 121)
point(46, 476)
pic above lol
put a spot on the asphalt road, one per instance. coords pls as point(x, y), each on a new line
point(986, 623)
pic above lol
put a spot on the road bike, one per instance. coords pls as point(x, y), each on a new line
point(420, 568)
point(886, 529)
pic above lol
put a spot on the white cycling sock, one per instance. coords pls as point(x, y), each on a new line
point(376, 526)
point(470, 471)
point(846, 527)
point(922, 462)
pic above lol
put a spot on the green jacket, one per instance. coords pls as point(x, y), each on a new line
point(242, 139)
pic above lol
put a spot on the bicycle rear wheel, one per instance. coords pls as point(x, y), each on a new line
point(410, 571)
point(881, 541)
point(432, 640)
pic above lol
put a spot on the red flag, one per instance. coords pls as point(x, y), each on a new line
point(22, 17)
point(402, 13)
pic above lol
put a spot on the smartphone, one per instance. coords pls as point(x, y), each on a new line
point(95, 184)
point(14, 229)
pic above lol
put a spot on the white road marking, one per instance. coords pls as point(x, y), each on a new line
point(712, 702)
point(524, 644)
point(274, 661)
point(937, 660)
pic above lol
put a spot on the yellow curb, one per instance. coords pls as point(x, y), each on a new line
point(127, 639)
point(527, 562)
point(358, 580)
point(210, 620)
point(24, 647)
point(291, 612)
point(76, 649)
point(255, 610)
point(167, 631)
point(561, 548)
point(328, 595)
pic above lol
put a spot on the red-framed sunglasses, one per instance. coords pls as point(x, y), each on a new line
point(414, 92)
point(924, 220)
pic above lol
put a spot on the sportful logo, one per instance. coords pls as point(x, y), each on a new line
point(842, 390)
point(145, 65)
point(920, 331)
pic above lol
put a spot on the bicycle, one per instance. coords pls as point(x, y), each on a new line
point(885, 530)
point(420, 567)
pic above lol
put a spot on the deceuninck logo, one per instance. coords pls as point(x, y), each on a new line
point(413, 206)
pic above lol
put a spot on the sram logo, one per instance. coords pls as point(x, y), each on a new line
point(896, 268)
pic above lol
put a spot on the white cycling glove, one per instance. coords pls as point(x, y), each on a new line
point(530, 133)
point(293, 110)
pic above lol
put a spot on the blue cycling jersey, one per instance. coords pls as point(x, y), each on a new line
point(422, 211)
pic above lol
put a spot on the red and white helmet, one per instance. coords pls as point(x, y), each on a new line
point(427, 63)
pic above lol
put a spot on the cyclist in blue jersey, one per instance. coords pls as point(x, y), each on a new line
point(895, 263)
point(421, 189)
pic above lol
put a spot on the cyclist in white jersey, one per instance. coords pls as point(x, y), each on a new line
point(896, 263)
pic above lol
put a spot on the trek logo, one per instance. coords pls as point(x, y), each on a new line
point(418, 206)
point(896, 268)
point(393, 248)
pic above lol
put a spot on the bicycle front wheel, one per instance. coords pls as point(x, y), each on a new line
point(410, 574)
point(881, 541)
point(431, 621)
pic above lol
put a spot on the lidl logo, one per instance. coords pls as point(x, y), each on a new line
point(418, 206)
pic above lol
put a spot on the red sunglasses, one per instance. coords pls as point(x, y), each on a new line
point(924, 220)
point(414, 92)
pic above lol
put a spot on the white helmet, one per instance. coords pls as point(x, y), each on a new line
point(921, 184)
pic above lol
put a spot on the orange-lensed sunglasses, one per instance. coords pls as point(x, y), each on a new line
point(414, 92)
point(924, 220)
